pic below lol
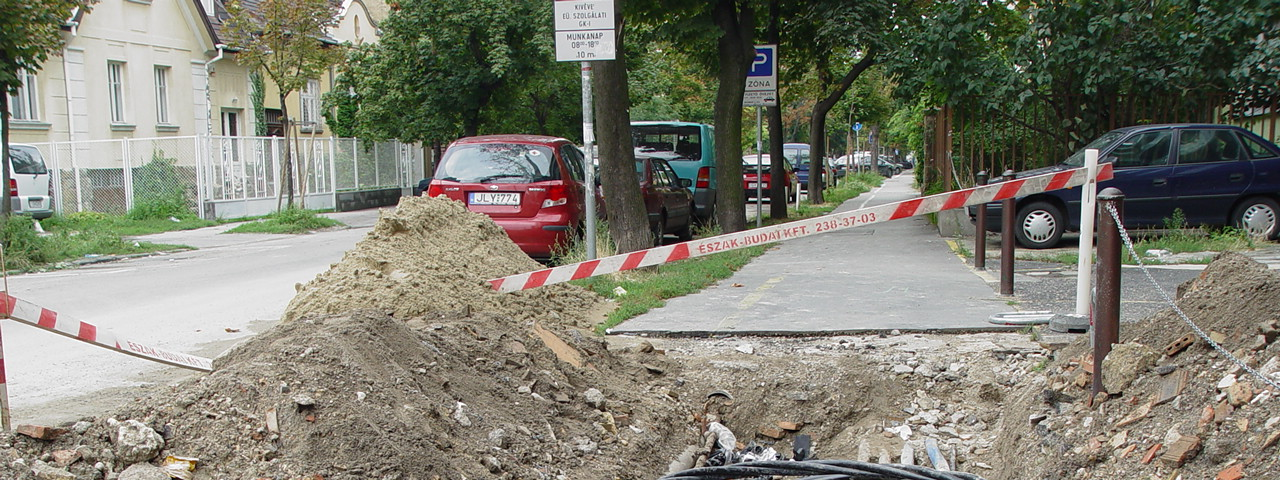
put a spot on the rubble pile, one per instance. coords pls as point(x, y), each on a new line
point(1173, 406)
point(400, 363)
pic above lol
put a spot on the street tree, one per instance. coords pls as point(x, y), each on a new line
point(443, 69)
point(628, 220)
point(287, 41)
point(720, 36)
point(30, 30)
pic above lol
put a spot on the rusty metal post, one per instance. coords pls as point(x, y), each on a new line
point(980, 235)
point(1007, 240)
point(1106, 308)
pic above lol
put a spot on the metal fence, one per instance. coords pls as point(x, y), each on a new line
point(966, 138)
point(219, 176)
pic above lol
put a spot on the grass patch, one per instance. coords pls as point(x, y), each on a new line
point(290, 220)
point(65, 239)
point(122, 226)
point(650, 288)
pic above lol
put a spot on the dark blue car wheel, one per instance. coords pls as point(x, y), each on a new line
point(1039, 225)
point(1259, 217)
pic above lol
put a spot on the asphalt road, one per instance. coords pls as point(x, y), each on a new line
point(197, 302)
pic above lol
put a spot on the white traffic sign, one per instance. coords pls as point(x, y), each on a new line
point(585, 30)
point(762, 78)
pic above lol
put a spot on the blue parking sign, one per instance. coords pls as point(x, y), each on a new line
point(763, 64)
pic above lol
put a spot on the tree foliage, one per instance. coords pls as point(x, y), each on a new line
point(29, 31)
point(444, 69)
point(286, 40)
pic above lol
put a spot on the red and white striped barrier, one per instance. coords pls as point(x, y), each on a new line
point(32, 314)
point(799, 228)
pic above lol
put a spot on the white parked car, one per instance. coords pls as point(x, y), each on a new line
point(29, 182)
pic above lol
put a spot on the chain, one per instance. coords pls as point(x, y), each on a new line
point(1128, 243)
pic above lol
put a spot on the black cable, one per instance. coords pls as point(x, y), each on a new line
point(820, 470)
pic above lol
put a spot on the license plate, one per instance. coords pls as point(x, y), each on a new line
point(494, 198)
point(37, 204)
point(751, 186)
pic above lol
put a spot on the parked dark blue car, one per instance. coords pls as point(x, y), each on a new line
point(1217, 175)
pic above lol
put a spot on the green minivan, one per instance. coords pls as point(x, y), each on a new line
point(694, 143)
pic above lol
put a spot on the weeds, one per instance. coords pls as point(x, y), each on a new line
point(289, 220)
point(26, 250)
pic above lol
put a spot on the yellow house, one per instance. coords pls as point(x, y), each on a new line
point(159, 68)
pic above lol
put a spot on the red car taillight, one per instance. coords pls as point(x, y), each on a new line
point(13, 187)
point(556, 195)
point(435, 190)
point(704, 178)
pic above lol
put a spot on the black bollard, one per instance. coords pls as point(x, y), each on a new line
point(980, 237)
point(1106, 307)
point(1007, 240)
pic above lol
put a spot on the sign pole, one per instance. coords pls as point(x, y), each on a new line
point(759, 170)
point(589, 141)
point(586, 32)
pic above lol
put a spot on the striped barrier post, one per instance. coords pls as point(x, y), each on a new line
point(43, 318)
point(800, 228)
point(4, 392)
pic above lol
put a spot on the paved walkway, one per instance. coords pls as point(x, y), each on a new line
point(892, 275)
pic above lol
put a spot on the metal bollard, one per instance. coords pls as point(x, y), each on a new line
point(980, 236)
point(1007, 240)
point(1106, 307)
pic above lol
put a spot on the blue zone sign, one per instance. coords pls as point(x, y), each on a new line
point(762, 78)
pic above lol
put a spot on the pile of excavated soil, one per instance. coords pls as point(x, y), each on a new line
point(1194, 413)
point(431, 255)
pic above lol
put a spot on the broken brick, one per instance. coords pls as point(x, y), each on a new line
point(1173, 348)
point(790, 426)
point(1271, 440)
point(773, 433)
point(1221, 411)
point(1206, 416)
point(40, 432)
point(1129, 449)
point(1234, 472)
point(65, 457)
point(1134, 416)
point(1151, 453)
point(1239, 394)
point(1185, 448)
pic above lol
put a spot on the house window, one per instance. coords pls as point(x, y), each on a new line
point(310, 105)
point(162, 94)
point(115, 90)
point(25, 104)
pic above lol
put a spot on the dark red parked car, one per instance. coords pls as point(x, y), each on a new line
point(531, 185)
point(666, 197)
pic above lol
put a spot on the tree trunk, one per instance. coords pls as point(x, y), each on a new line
point(286, 167)
point(6, 206)
point(736, 51)
point(818, 126)
point(628, 221)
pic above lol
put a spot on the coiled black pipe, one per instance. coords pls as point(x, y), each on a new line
point(820, 470)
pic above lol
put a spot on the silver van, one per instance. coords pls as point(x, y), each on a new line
point(29, 182)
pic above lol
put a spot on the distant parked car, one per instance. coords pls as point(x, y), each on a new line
point(531, 185)
point(695, 145)
point(753, 173)
point(29, 182)
point(798, 155)
point(1217, 175)
point(666, 198)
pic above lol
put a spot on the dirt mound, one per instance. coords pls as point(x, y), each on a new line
point(1194, 413)
point(433, 255)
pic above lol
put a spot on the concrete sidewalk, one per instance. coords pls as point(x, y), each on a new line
point(892, 275)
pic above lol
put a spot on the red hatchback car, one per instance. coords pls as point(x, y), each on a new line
point(532, 186)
